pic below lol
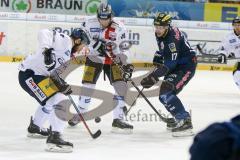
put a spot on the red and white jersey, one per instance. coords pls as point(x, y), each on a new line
point(62, 45)
point(116, 33)
point(231, 44)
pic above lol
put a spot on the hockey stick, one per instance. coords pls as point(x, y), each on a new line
point(96, 134)
point(133, 103)
point(162, 117)
point(212, 58)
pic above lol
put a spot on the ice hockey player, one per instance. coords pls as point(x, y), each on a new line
point(104, 30)
point(54, 49)
point(176, 54)
point(230, 47)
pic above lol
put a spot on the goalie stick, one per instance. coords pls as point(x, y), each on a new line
point(93, 135)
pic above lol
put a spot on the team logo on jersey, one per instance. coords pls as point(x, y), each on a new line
point(232, 40)
point(172, 47)
point(95, 29)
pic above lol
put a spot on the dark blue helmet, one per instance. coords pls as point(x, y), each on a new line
point(104, 11)
point(78, 33)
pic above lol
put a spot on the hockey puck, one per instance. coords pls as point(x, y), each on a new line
point(97, 119)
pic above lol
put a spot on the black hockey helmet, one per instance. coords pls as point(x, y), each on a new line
point(236, 20)
point(162, 19)
point(104, 11)
point(78, 33)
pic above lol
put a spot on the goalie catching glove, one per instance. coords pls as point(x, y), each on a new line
point(62, 86)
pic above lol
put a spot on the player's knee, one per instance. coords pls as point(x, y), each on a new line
point(120, 88)
point(85, 99)
point(166, 87)
point(166, 92)
point(47, 109)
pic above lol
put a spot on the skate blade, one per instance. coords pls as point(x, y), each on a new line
point(121, 131)
point(186, 133)
point(58, 148)
point(36, 136)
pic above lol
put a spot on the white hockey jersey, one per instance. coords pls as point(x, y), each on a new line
point(231, 44)
point(62, 45)
point(115, 33)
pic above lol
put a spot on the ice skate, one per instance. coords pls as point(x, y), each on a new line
point(119, 126)
point(56, 144)
point(36, 132)
point(183, 128)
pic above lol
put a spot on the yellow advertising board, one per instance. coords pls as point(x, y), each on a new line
point(221, 12)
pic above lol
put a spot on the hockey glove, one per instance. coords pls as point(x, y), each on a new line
point(128, 69)
point(62, 86)
point(222, 58)
point(99, 47)
point(158, 58)
point(49, 58)
point(149, 81)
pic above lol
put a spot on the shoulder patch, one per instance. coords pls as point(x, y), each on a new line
point(172, 47)
point(177, 33)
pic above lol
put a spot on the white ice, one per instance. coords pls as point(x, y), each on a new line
point(212, 96)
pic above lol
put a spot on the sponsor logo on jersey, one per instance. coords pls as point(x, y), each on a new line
point(232, 41)
point(95, 29)
point(35, 89)
point(172, 47)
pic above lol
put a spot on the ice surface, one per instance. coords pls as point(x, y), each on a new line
point(212, 96)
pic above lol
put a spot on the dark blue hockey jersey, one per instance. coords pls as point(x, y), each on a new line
point(175, 49)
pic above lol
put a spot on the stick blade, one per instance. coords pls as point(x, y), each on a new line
point(97, 134)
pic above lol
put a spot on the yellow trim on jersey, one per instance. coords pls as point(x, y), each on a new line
point(48, 87)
